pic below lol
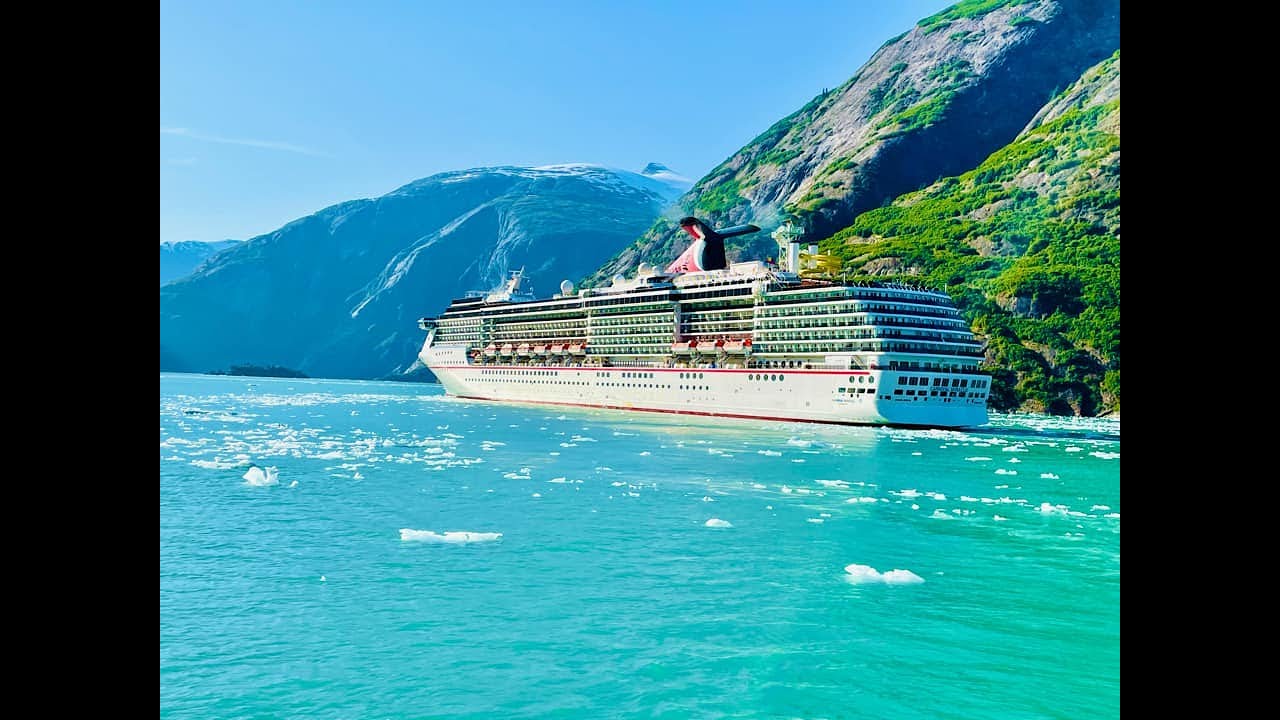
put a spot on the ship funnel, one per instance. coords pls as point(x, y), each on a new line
point(707, 250)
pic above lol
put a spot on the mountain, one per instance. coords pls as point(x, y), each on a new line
point(932, 102)
point(338, 293)
point(180, 258)
point(1029, 244)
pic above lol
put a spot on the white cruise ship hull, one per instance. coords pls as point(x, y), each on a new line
point(859, 397)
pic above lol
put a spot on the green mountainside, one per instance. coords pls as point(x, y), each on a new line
point(929, 103)
point(1028, 243)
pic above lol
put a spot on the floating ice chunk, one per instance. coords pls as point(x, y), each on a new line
point(708, 498)
point(558, 480)
point(799, 442)
point(856, 500)
point(804, 491)
point(937, 496)
point(833, 483)
point(293, 484)
point(906, 493)
point(1105, 455)
point(1100, 507)
point(917, 453)
point(797, 460)
point(537, 495)
point(825, 515)
point(718, 523)
point(786, 489)
point(323, 578)
point(604, 468)
point(977, 458)
point(816, 521)
point(915, 506)
point(758, 486)
point(966, 498)
point(452, 537)
point(768, 507)
point(769, 453)
point(568, 445)
point(940, 515)
point(1002, 471)
point(865, 574)
point(515, 476)
point(617, 483)
point(1014, 460)
point(582, 438)
point(1014, 448)
point(357, 476)
point(1113, 516)
point(213, 464)
point(1073, 448)
point(1049, 476)
point(646, 453)
point(998, 518)
point(258, 477)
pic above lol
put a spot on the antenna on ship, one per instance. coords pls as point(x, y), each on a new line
point(788, 237)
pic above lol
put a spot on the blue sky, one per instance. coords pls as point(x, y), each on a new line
point(270, 111)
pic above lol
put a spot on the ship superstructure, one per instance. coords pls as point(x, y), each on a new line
point(706, 337)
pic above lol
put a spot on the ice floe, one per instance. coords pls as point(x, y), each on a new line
point(865, 574)
point(258, 477)
point(452, 537)
point(718, 523)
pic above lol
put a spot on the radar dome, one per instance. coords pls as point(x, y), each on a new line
point(645, 269)
point(566, 287)
point(619, 279)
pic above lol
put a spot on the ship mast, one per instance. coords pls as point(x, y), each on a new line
point(788, 237)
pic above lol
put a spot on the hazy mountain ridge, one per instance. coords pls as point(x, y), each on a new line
point(178, 259)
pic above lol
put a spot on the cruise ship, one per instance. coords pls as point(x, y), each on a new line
point(775, 341)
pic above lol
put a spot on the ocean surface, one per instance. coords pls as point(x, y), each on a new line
point(335, 549)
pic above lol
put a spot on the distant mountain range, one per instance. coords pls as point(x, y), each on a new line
point(178, 259)
point(338, 293)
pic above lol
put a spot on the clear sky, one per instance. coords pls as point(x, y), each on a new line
point(270, 111)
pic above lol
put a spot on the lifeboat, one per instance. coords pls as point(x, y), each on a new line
point(746, 346)
point(733, 347)
point(717, 346)
point(506, 350)
point(682, 348)
point(523, 350)
point(491, 350)
point(557, 349)
point(577, 349)
point(539, 349)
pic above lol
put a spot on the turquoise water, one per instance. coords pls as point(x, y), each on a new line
point(607, 595)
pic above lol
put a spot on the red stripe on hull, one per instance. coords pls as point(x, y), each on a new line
point(762, 371)
point(691, 412)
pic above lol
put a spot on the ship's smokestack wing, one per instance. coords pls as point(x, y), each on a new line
point(707, 250)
